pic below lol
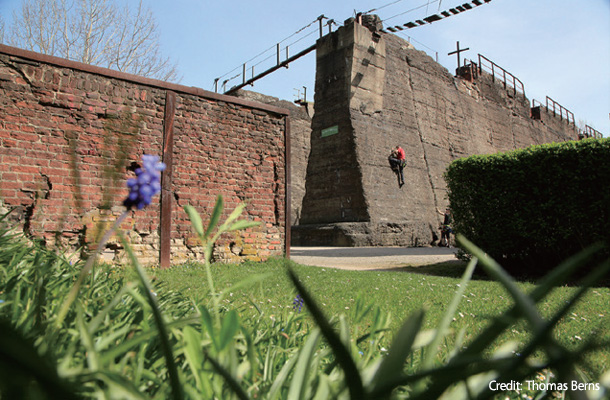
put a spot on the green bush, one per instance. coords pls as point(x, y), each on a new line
point(534, 207)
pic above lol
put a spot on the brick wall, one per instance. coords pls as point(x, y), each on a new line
point(71, 134)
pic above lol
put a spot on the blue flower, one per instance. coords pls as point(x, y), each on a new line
point(146, 184)
point(297, 303)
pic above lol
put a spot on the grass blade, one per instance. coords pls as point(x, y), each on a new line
point(216, 213)
point(20, 363)
point(554, 278)
point(522, 301)
point(230, 325)
point(176, 385)
point(99, 318)
point(206, 320)
point(392, 366)
point(448, 315)
point(125, 346)
point(300, 384)
point(195, 219)
point(234, 215)
point(243, 224)
point(193, 353)
point(281, 377)
point(352, 374)
point(231, 381)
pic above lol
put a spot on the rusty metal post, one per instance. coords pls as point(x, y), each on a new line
point(166, 180)
point(320, 21)
point(515, 86)
point(277, 48)
point(288, 182)
point(244, 73)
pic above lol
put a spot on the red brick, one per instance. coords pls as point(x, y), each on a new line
point(23, 136)
point(25, 169)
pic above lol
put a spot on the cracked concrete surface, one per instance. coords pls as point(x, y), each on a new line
point(371, 258)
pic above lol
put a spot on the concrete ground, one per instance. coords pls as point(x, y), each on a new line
point(371, 258)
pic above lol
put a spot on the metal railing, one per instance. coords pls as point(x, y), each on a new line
point(506, 78)
point(590, 132)
point(560, 110)
point(277, 54)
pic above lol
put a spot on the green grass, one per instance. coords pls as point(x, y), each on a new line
point(226, 331)
point(398, 293)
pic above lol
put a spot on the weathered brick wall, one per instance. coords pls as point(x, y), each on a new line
point(65, 127)
point(300, 144)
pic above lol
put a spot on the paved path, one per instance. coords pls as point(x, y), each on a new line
point(367, 258)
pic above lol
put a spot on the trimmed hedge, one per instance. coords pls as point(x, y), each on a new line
point(534, 207)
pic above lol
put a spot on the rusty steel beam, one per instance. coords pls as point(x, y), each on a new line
point(272, 69)
point(287, 190)
point(166, 180)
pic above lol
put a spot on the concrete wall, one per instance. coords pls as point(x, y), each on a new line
point(65, 126)
point(379, 92)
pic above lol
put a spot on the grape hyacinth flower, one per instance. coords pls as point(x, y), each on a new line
point(146, 184)
point(297, 303)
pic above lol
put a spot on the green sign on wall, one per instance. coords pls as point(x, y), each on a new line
point(333, 130)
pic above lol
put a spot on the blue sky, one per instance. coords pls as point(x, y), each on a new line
point(557, 48)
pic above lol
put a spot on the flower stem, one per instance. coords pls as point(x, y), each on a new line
point(87, 268)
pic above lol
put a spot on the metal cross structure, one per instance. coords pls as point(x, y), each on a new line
point(458, 51)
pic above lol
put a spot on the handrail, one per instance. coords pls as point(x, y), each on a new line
point(277, 55)
point(590, 132)
point(561, 109)
point(506, 77)
point(557, 109)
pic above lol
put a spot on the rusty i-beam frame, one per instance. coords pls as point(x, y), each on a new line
point(270, 70)
point(279, 64)
point(166, 180)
